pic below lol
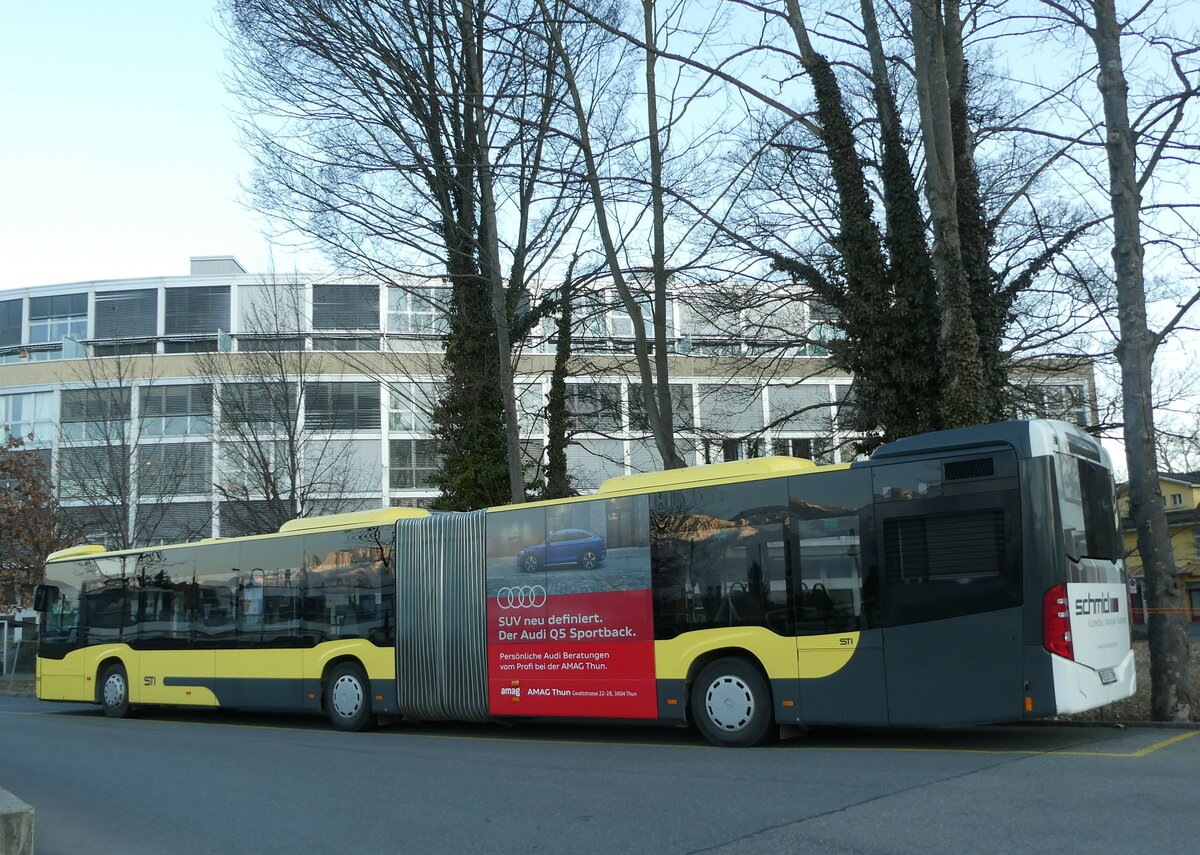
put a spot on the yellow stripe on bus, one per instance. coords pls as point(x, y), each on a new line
point(807, 657)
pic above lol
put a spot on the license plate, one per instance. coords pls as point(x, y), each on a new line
point(1107, 675)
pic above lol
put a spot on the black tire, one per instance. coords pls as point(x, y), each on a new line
point(731, 703)
point(589, 559)
point(348, 697)
point(113, 691)
point(530, 564)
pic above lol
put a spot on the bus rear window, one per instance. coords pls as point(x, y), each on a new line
point(1103, 540)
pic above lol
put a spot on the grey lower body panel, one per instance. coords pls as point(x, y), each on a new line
point(441, 618)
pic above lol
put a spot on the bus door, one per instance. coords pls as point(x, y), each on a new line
point(840, 658)
point(948, 548)
point(167, 669)
point(266, 666)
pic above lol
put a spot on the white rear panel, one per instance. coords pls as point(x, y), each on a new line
point(1103, 669)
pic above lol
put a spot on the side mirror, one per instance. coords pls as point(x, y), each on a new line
point(44, 596)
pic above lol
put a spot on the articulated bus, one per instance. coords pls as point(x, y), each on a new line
point(954, 578)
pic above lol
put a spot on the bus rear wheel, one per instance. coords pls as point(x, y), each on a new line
point(348, 697)
point(731, 703)
point(114, 691)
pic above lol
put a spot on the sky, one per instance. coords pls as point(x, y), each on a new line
point(119, 154)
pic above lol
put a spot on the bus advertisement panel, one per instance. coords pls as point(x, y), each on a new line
point(569, 611)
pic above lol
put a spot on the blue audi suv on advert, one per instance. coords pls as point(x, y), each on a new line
point(574, 546)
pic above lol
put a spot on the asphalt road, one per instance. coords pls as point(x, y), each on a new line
point(233, 782)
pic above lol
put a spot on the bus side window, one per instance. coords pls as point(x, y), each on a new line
point(718, 558)
point(954, 552)
point(345, 578)
point(828, 511)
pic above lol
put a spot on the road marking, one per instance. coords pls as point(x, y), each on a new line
point(1016, 752)
point(1052, 752)
point(1156, 746)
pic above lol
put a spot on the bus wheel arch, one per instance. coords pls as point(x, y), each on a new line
point(729, 698)
point(112, 688)
point(346, 694)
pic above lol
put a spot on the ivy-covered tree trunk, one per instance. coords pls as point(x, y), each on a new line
point(963, 400)
point(975, 236)
point(468, 420)
point(558, 483)
point(917, 315)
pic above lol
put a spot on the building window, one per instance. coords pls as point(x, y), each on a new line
point(177, 411)
point(410, 406)
point(10, 323)
point(195, 345)
point(682, 417)
point(731, 408)
point(342, 406)
point(591, 462)
point(51, 318)
point(817, 449)
point(127, 314)
point(804, 407)
point(255, 468)
point(417, 312)
point(345, 307)
point(255, 409)
point(729, 450)
point(1177, 500)
point(1196, 544)
point(96, 414)
point(28, 413)
point(92, 472)
point(413, 463)
point(594, 407)
point(269, 344)
point(1067, 402)
point(174, 468)
point(197, 311)
point(345, 343)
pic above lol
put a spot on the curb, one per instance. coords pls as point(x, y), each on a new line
point(16, 825)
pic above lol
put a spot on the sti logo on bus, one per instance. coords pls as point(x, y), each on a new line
point(1098, 606)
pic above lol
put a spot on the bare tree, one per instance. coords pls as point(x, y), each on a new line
point(115, 481)
point(280, 458)
point(410, 143)
point(1135, 148)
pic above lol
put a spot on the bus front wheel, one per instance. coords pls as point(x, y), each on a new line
point(348, 697)
point(114, 691)
point(731, 703)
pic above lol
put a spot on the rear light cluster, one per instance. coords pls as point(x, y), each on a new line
point(1056, 623)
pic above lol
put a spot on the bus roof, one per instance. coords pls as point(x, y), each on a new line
point(331, 522)
point(755, 469)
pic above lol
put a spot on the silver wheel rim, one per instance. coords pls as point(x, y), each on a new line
point(730, 704)
point(531, 565)
point(114, 690)
point(347, 696)
point(589, 561)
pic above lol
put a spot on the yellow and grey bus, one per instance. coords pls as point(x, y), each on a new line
point(954, 578)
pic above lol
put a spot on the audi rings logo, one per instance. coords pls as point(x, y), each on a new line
point(521, 597)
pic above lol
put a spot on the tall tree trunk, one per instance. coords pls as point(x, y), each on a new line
point(558, 483)
point(1169, 700)
point(962, 374)
point(975, 237)
point(916, 298)
point(670, 456)
point(489, 249)
point(641, 347)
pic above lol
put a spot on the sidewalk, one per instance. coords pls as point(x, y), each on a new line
point(20, 684)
